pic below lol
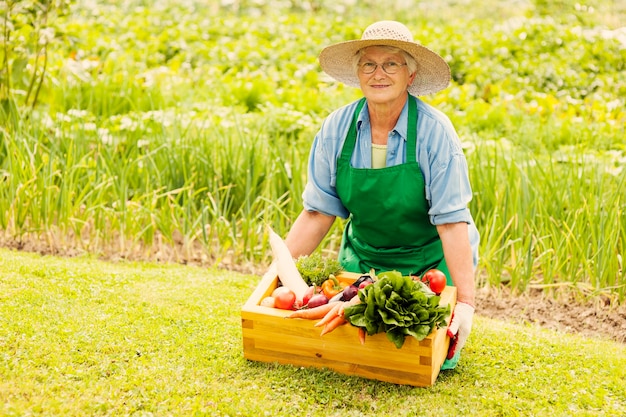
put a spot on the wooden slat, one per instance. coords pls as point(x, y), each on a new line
point(312, 350)
point(347, 368)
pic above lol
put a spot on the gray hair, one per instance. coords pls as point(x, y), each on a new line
point(411, 63)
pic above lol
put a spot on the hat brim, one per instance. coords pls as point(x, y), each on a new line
point(433, 73)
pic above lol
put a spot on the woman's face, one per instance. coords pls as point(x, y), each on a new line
point(380, 87)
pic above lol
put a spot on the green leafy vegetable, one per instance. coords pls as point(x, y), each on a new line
point(398, 306)
point(316, 269)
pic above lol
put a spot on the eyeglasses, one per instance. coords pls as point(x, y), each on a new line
point(389, 67)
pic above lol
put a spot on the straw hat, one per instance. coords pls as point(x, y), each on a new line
point(433, 73)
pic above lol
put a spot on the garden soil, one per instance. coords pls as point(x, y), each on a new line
point(597, 316)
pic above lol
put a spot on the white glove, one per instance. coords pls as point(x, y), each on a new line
point(460, 327)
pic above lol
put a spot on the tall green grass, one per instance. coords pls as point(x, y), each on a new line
point(550, 220)
point(178, 132)
point(119, 190)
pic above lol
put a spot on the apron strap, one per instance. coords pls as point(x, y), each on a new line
point(411, 131)
point(348, 146)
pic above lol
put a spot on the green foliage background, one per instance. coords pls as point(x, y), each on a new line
point(178, 129)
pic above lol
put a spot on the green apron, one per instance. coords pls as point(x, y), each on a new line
point(389, 227)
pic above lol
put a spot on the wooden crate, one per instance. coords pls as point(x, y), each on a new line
point(268, 336)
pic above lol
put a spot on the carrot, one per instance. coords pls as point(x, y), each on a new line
point(333, 324)
point(312, 313)
point(287, 270)
point(353, 301)
point(331, 314)
point(362, 335)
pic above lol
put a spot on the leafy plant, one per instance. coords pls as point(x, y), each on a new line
point(28, 29)
point(315, 268)
point(399, 307)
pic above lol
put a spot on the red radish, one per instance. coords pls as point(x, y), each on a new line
point(308, 294)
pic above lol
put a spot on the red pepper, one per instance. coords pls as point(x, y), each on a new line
point(332, 286)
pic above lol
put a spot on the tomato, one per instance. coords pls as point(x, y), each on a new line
point(438, 284)
point(284, 298)
point(279, 290)
point(435, 279)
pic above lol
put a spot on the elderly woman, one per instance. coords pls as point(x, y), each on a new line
point(392, 165)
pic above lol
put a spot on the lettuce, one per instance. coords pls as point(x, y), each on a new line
point(398, 306)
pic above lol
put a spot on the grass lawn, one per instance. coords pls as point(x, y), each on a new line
point(85, 337)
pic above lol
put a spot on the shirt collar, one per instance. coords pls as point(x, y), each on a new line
point(400, 127)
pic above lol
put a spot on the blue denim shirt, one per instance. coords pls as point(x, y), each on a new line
point(439, 155)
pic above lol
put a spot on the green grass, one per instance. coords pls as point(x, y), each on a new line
point(84, 337)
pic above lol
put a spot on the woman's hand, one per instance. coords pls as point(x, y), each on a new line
point(460, 327)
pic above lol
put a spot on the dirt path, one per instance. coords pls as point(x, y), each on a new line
point(598, 320)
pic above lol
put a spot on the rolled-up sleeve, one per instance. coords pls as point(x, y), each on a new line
point(445, 170)
point(450, 192)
